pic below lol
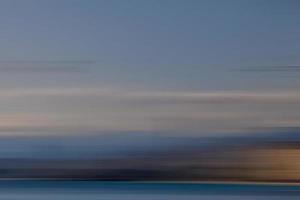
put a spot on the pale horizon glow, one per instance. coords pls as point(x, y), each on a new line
point(96, 109)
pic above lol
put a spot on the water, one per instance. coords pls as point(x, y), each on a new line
point(83, 190)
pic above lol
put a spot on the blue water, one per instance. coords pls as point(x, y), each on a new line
point(79, 190)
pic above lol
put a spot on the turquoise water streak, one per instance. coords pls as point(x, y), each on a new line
point(138, 190)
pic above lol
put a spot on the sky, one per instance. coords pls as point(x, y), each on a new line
point(165, 66)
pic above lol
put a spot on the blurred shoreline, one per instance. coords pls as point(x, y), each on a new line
point(270, 158)
point(270, 183)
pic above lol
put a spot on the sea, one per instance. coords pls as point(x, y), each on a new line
point(106, 190)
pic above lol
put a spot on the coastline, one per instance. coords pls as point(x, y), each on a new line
point(270, 183)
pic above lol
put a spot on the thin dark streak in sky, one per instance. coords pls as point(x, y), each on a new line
point(42, 69)
point(292, 68)
point(42, 66)
point(48, 61)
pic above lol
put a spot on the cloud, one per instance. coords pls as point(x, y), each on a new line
point(103, 109)
point(254, 95)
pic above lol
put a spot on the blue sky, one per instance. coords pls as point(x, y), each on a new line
point(140, 48)
point(173, 44)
